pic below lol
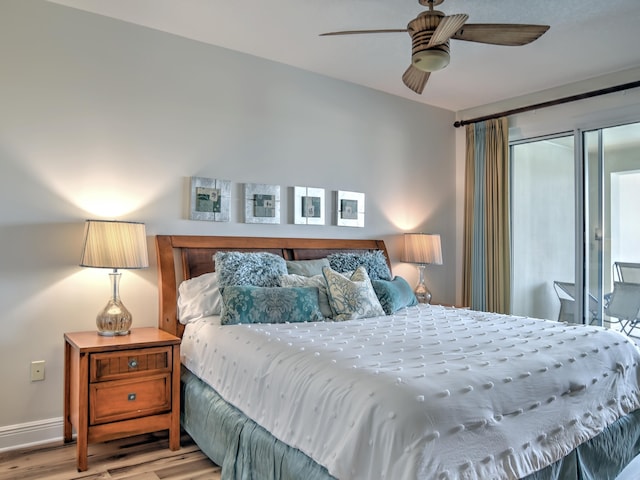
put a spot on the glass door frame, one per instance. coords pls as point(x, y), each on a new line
point(584, 233)
point(598, 228)
point(581, 274)
point(589, 230)
point(569, 135)
point(583, 228)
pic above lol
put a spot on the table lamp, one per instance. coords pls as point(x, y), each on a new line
point(116, 245)
point(422, 249)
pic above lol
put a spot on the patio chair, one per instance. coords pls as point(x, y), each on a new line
point(623, 303)
point(566, 292)
point(627, 272)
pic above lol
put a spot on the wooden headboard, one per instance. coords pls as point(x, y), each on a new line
point(181, 257)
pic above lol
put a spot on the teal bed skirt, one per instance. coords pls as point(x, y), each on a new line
point(246, 451)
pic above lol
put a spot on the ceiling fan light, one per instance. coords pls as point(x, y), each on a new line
point(430, 60)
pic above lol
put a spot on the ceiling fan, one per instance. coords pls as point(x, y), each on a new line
point(431, 31)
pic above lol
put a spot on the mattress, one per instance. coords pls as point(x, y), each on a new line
point(397, 396)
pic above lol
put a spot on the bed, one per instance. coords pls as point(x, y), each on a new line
point(423, 392)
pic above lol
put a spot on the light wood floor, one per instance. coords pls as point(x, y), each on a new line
point(144, 457)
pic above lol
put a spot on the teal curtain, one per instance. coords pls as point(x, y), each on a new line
point(487, 266)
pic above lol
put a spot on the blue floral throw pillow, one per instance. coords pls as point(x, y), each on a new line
point(394, 294)
point(353, 297)
point(317, 281)
point(249, 304)
point(260, 269)
point(374, 262)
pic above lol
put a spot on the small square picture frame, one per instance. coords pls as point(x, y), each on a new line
point(210, 199)
point(261, 203)
point(308, 206)
point(350, 209)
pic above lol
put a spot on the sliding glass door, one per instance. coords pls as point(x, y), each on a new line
point(574, 221)
point(542, 225)
point(612, 219)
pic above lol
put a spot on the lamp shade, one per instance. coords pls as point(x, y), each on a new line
point(422, 248)
point(114, 244)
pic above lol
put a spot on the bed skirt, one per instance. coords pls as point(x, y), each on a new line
point(246, 451)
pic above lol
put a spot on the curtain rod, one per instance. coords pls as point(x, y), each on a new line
point(550, 103)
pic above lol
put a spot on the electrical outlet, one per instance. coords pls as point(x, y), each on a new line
point(37, 370)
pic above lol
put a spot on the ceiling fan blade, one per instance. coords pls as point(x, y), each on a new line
point(500, 33)
point(415, 79)
point(357, 32)
point(447, 27)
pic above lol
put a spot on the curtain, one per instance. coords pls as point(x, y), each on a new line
point(487, 253)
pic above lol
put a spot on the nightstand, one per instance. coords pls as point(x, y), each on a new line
point(120, 386)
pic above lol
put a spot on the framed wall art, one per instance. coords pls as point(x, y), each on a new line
point(261, 203)
point(308, 204)
point(210, 199)
point(349, 209)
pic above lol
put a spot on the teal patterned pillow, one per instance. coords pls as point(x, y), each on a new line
point(374, 262)
point(317, 281)
point(394, 294)
point(351, 298)
point(249, 304)
point(260, 269)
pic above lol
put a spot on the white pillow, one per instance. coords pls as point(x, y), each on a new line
point(199, 297)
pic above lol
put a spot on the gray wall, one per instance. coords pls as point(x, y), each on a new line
point(103, 119)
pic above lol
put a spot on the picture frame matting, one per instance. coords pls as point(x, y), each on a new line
point(209, 199)
point(261, 203)
point(308, 205)
point(350, 209)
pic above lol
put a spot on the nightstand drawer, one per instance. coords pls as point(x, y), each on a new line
point(129, 363)
point(124, 399)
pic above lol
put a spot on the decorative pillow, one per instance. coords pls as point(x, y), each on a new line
point(260, 269)
point(394, 294)
point(317, 281)
point(374, 262)
point(199, 297)
point(353, 297)
point(248, 304)
point(308, 268)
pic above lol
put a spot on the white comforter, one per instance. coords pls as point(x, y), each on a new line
point(427, 393)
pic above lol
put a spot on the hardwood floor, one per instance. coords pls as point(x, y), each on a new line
point(144, 457)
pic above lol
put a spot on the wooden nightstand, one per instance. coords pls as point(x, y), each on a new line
point(120, 386)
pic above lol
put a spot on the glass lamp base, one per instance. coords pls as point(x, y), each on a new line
point(114, 319)
point(422, 292)
point(423, 296)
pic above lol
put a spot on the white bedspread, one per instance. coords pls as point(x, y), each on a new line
point(427, 393)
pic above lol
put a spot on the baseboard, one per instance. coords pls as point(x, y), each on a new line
point(31, 433)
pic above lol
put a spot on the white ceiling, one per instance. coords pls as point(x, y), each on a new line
point(587, 38)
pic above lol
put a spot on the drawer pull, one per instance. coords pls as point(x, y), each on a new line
point(133, 363)
point(131, 397)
